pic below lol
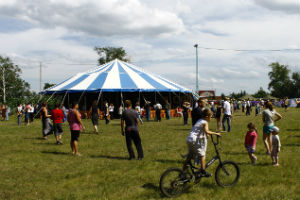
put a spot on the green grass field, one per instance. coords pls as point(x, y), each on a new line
point(31, 168)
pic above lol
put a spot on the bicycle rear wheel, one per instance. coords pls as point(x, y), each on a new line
point(173, 182)
point(227, 174)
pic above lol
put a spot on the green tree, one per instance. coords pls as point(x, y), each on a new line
point(260, 93)
point(108, 54)
point(48, 85)
point(280, 85)
point(12, 86)
point(296, 85)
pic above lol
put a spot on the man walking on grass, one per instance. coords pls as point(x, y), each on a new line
point(131, 120)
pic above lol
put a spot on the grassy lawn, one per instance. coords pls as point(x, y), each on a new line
point(31, 168)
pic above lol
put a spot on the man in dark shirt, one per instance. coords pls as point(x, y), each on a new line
point(197, 112)
point(131, 119)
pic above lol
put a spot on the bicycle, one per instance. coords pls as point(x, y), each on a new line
point(179, 179)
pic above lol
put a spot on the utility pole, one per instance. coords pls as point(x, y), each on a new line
point(40, 76)
point(3, 84)
point(197, 86)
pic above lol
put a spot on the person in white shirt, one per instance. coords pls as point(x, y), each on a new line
point(19, 114)
point(158, 108)
point(227, 115)
point(248, 107)
point(31, 112)
point(275, 146)
point(111, 110)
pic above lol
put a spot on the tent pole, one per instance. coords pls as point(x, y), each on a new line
point(99, 96)
point(140, 98)
point(68, 100)
point(63, 100)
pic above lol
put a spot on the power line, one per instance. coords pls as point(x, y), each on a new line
point(223, 49)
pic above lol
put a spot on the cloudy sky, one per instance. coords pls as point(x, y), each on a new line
point(158, 35)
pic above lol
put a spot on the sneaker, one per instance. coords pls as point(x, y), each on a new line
point(254, 161)
point(276, 165)
point(205, 174)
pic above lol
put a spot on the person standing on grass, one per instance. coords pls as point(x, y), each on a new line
point(197, 142)
point(27, 114)
point(106, 112)
point(148, 110)
point(227, 115)
point(268, 120)
point(57, 117)
point(167, 109)
point(275, 146)
point(218, 116)
point(7, 113)
point(95, 113)
point(250, 142)
point(186, 107)
point(248, 107)
point(111, 110)
point(158, 108)
point(131, 121)
point(46, 125)
point(74, 119)
point(19, 113)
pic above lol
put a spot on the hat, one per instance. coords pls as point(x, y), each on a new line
point(275, 129)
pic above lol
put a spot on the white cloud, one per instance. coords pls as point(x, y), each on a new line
point(287, 6)
point(96, 17)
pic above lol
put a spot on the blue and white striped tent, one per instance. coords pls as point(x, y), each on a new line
point(116, 76)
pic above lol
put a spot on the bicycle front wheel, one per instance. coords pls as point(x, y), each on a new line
point(227, 174)
point(173, 182)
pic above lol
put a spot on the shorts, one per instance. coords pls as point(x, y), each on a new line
point(197, 148)
point(75, 135)
point(267, 129)
point(57, 127)
point(250, 149)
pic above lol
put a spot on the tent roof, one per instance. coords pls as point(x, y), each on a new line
point(116, 76)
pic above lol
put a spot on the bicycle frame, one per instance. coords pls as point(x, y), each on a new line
point(216, 157)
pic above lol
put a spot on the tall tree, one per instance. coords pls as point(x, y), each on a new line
point(280, 83)
point(261, 93)
point(296, 85)
point(48, 85)
point(108, 54)
point(12, 86)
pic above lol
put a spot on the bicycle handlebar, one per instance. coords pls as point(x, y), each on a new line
point(212, 139)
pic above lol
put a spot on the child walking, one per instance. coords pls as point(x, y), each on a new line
point(275, 146)
point(250, 142)
point(197, 141)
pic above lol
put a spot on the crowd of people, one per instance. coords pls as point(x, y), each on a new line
point(201, 112)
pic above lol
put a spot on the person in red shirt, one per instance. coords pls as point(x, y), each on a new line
point(57, 117)
point(250, 142)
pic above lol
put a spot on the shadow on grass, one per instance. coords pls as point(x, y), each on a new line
point(33, 138)
point(88, 133)
point(44, 143)
point(169, 161)
point(292, 145)
point(257, 164)
point(109, 157)
point(240, 153)
point(56, 152)
point(150, 186)
point(296, 129)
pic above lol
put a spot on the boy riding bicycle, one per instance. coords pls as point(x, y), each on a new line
point(197, 141)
